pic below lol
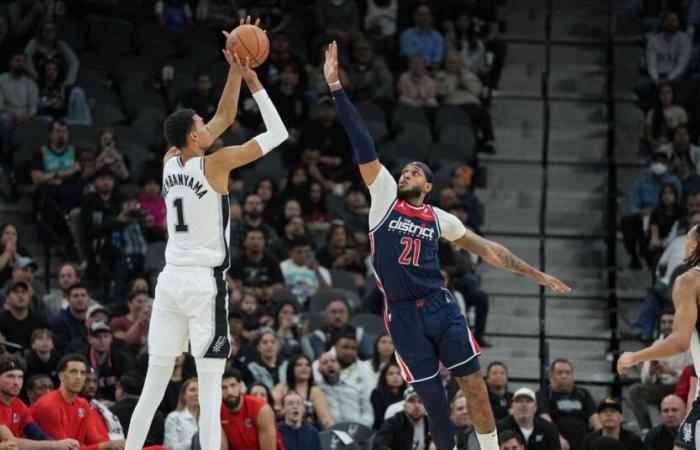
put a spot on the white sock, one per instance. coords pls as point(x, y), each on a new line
point(209, 371)
point(488, 441)
point(160, 368)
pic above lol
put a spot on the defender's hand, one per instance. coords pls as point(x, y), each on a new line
point(330, 67)
point(554, 284)
point(626, 362)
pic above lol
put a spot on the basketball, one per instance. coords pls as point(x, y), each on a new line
point(249, 41)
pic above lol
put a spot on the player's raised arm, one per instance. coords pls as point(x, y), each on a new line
point(354, 125)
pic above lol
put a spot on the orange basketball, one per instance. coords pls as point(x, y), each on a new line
point(249, 41)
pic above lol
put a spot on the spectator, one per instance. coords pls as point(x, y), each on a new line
point(510, 440)
point(662, 220)
point(296, 434)
point(658, 377)
point(127, 395)
point(59, 101)
point(47, 47)
point(201, 97)
point(497, 385)
point(300, 380)
point(104, 420)
point(369, 76)
point(642, 200)
point(95, 313)
point(389, 390)
point(336, 20)
point(610, 414)
point(416, 87)
point(382, 354)
point(268, 368)
point(423, 39)
point(69, 323)
point(538, 433)
point(43, 358)
point(19, 98)
point(346, 400)
point(570, 407)
point(24, 17)
point(11, 249)
point(667, 56)
point(289, 329)
point(301, 271)
point(315, 208)
point(281, 56)
point(381, 20)
point(252, 316)
point(457, 85)
point(181, 424)
point(683, 387)
point(133, 327)
point(274, 14)
point(184, 369)
point(108, 155)
point(469, 48)
point(683, 157)
point(18, 321)
point(109, 364)
point(23, 271)
point(38, 386)
point(288, 97)
point(259, 390)
point(338, 254)
point(356, 215)
point(68, 274)
point(291, 207)
point(464, 430)
point(153, 205)
point(248, 422)
point(174, 15)
point(663, 436)
point(336, 322)
point(254, 267)
point(62, 413)
point(407, 430)
point(252, 219)
point(663, 119)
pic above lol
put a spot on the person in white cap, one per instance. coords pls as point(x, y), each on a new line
point(408, 429)
point(537, 433)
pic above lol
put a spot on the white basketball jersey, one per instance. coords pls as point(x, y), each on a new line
point(198, 217)
point(695, 349)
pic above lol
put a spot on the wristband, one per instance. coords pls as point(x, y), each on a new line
point(334, 84)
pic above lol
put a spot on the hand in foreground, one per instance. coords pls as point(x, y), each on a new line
point(241, 67)
point(554, 284)
point(330, 67)
point(625, 362)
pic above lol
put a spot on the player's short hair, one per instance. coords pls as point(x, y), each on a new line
point(507, 435)
point(497, 363)
point(232, 372)
point(178, 125)
point(39, 332)
point(77, 286)
point(70, 357)
point(560, 361)
point(347, 334)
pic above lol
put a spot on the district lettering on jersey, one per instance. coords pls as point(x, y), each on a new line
point(185, 181)
point(407, 226)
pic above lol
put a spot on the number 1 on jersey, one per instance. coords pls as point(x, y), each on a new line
point(410, 245)
point(180, 226)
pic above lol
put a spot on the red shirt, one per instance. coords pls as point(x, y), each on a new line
point(62, 420)
point(15, 416)
point(241, 427)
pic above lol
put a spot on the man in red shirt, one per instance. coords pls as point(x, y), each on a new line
point(62, 414)
point(247, 422)
point(15, 415)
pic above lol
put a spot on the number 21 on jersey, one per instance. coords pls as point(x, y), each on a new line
point(411, 252)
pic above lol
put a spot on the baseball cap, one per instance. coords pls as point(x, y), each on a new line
point(408, 393)
point(524, 392)
point(24, 261)
point(17, 285)
point(610, 403)
point(101, 325)
point(95, 308)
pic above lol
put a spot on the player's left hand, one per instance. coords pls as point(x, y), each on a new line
point(625, 362)
point(554, 284)
point(241, 67)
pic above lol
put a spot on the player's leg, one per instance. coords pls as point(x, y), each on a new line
point(209, 371)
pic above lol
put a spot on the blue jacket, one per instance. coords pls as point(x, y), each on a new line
point(304, 438)
point(65, 328)
point(646, 191)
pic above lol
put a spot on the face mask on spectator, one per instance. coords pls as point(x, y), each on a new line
point(658, 169)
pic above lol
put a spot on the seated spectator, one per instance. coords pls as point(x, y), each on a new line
point(261, 391)
point(201, 97)
point(291, 207)
point(95, 313)
point(423, 39)
point(487, 27)
point(510, 440)
point(346, 400)
point(407, 430)
point(240, 412)
point(68, 274)
point(254, 267)
point(382, 354)
point(570, 407)
point(62, 413)
point(43, 358)
point(667, 55)
point(389, 390)
point(457, 85)
point(369, 76)
point(38, 386)
point(315, 211)
point(19, 98)
point(181, 424)
point(685, 380)
point(302, 273)
point(497, 385)
point(18, 321)
point(459, 414)
point(289, 100)
point(153, 205)
point(470, 50)
point(296, 433)
point(663, 436)
point(338, 254)
point(642, 200)
point(47, 47)
point(268, 368)
point(281, 55)
point(60, 101)
point(289, 329)
point(538, 433)
point(662, 220)
point(662, 120)
point(108, 155)
point(658, 377)
point(274, 14)
point(355, 216)
point(11, 249)
point(336, 322)
point(175, 15)
point(252, 219)
point(610, 414)
point(69, 323)
point(184, 370)
point(300, 380)
point(683, 157)
point(104, 420)
point(241, 354)
point(133, 327)
point(24, 271)
point(381, 24)
point(416, 86)
point(336, 20)
point(127, 395)
point(109, 364)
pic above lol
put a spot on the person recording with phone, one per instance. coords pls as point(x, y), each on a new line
point(108, 155)
point(132, 328)
point(301, 271)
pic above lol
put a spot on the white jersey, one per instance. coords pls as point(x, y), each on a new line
point(197, 217)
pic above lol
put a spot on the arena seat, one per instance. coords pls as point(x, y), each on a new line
point(371, 323)
point(406, 114)
point(331, 441)
point(451, 115)
point(360, 433)
point(342, 279)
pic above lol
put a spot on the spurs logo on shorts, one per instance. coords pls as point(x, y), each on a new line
point(687, 432)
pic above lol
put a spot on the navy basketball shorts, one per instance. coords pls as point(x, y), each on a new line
point(428, 331)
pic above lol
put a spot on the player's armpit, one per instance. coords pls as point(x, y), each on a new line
point(218, 165)
point(224, 440)
point(370, 170)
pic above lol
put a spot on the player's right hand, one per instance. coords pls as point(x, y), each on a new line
point(66, 444)
point(625, 362)
point(330, 67)
point(555, 284)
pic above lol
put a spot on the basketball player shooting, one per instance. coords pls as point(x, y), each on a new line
point(421, 316)
point(686, 295)
point(191, 299)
